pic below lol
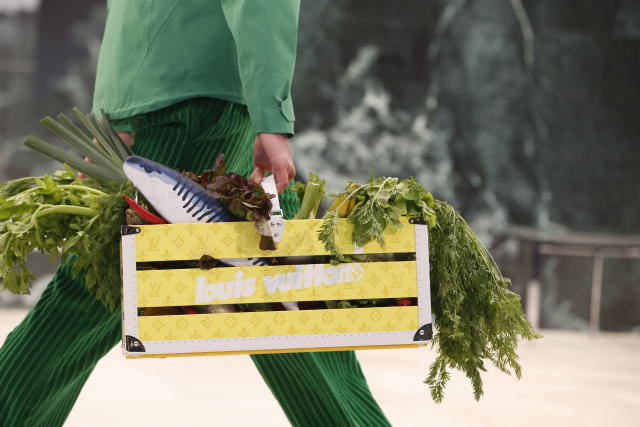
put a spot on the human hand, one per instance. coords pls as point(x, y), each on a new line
point(271, 153)
point(126, 137)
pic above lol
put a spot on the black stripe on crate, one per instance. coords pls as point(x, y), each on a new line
point(277, 306)
point(206, 262)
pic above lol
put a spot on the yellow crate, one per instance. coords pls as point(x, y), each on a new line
point(270, 331)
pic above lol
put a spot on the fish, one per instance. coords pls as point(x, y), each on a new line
point(175, 197)
point(180, 200)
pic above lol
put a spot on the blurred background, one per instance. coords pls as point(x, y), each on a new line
point(523, 114)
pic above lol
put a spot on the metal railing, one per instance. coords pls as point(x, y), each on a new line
point(574, 244)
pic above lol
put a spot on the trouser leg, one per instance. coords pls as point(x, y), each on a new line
point(321, 388)
point(47, 358)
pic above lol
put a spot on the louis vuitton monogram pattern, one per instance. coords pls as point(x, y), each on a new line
point(158, 288)
point(170, 242)
point(277, 323)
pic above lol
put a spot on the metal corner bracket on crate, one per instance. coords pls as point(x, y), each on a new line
point(417, 220)
point(133, 344)
point(147, 284)
point(125, 230)
point(425, 333)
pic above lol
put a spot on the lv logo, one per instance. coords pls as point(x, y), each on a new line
point(153, 243)
point(202, 241)
point(155, 289)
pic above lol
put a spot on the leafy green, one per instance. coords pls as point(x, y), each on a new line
point(11, 188)
point(477, 318)
point(244, 199)
point(327, 234)
point(380, 202)
point(98, 252)
point(62, 214)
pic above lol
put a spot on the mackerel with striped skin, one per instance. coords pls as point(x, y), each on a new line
point(179, 199)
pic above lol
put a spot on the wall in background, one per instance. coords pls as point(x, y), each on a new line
point(519, 112)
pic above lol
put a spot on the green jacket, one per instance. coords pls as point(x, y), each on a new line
point(155, 53)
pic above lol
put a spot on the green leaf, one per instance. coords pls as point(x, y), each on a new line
point(477, 317)
point(327, 233)
point(55, 214)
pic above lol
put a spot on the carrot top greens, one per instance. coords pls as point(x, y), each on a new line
point(477, 318)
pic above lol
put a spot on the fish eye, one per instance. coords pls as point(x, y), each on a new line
point(149, 169)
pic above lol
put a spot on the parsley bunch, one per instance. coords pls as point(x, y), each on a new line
point(379, 203)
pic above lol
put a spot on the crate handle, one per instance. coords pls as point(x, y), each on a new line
point(276, 220)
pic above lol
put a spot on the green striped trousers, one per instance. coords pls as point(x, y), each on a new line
point(47, 358)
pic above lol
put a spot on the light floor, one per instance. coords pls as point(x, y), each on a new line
point(569, 379)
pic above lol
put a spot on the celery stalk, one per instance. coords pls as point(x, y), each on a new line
point(313, 193)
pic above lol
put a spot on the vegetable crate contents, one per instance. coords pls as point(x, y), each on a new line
point(175, 305)
point(196, 281)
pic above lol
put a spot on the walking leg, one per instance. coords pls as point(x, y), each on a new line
point(48, 357)
point(46, 360)
point(321, 388)
point(313, 389)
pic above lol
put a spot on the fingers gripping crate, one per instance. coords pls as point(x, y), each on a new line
point(270, 331)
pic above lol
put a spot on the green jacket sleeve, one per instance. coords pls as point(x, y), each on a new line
point(265, 33)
